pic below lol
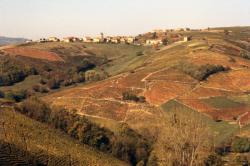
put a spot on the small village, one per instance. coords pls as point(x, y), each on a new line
point(154, 38)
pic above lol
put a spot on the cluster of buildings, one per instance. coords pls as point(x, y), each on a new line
point(156, 37)
point(151, 42)
point(101, 39)
point(174, 30)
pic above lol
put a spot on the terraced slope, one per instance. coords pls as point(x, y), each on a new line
point(160, 80)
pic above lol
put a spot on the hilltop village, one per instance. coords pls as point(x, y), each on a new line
point(154, 38)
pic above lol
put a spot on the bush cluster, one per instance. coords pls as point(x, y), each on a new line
point(241, 145)
point(201, 73)
point(12, 72)
point(40, 88)
point(16, 96)
point(131, 96)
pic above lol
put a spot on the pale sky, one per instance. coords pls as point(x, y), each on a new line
point(42, 18)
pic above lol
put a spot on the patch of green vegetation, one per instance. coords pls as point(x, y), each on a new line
point(130, 96)
point(12, 71)
point(244, 99)
point(24, 85)
point(222, 130)
point(16, 96)
point(221, 102)
point(241, 145)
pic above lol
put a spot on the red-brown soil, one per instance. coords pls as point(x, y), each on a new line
point(33, 53)
point(161, 91)
point(237, 81)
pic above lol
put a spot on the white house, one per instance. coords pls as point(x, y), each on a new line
point(154, 42)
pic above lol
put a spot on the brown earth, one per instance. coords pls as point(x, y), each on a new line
point(34, 53)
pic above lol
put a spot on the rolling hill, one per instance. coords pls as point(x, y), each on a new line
point(207, 78)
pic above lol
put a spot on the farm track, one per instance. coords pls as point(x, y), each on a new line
point(241, 117)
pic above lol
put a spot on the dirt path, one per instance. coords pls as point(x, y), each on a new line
point(240, 117)
point(170, 46)
point(222, 89)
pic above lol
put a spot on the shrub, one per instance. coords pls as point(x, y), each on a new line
point(84, 66)
point(78, 78)
point(16, 96)
point(67, 82)
point(92, 75)
point(245, 54)
point(165, 41)
point(53, 84)
point(36, 88)
point(39, 88)
point(43, 81)
point(242, 160)
point(1, 94)
point(213, 160)
point(241, 145)
point(44, 89)
point(139, 53)
point(36, 109)
point(47, 68)
point(13, 72)
point(132, 97)
point(130, 146)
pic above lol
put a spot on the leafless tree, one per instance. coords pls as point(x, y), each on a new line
point(185, 139)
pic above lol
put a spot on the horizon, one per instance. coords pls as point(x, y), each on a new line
point(36, 19)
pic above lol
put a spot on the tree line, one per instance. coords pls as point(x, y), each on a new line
point(126, 145)
point(201, 72)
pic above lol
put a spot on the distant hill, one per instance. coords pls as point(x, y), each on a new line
point(8, 40)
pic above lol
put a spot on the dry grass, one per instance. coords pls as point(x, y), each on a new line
point(48, 140)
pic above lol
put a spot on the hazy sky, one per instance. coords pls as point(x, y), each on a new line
point(42, 18)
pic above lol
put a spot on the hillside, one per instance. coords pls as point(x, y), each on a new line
point(204, 83)
point(205, 75)
point(32, 142)
point(171, 73)
point(64, 65)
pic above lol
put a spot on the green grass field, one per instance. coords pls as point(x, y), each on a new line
point(245, 99)
point(221, 102)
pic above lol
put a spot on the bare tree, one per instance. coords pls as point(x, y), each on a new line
point(185, 140)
